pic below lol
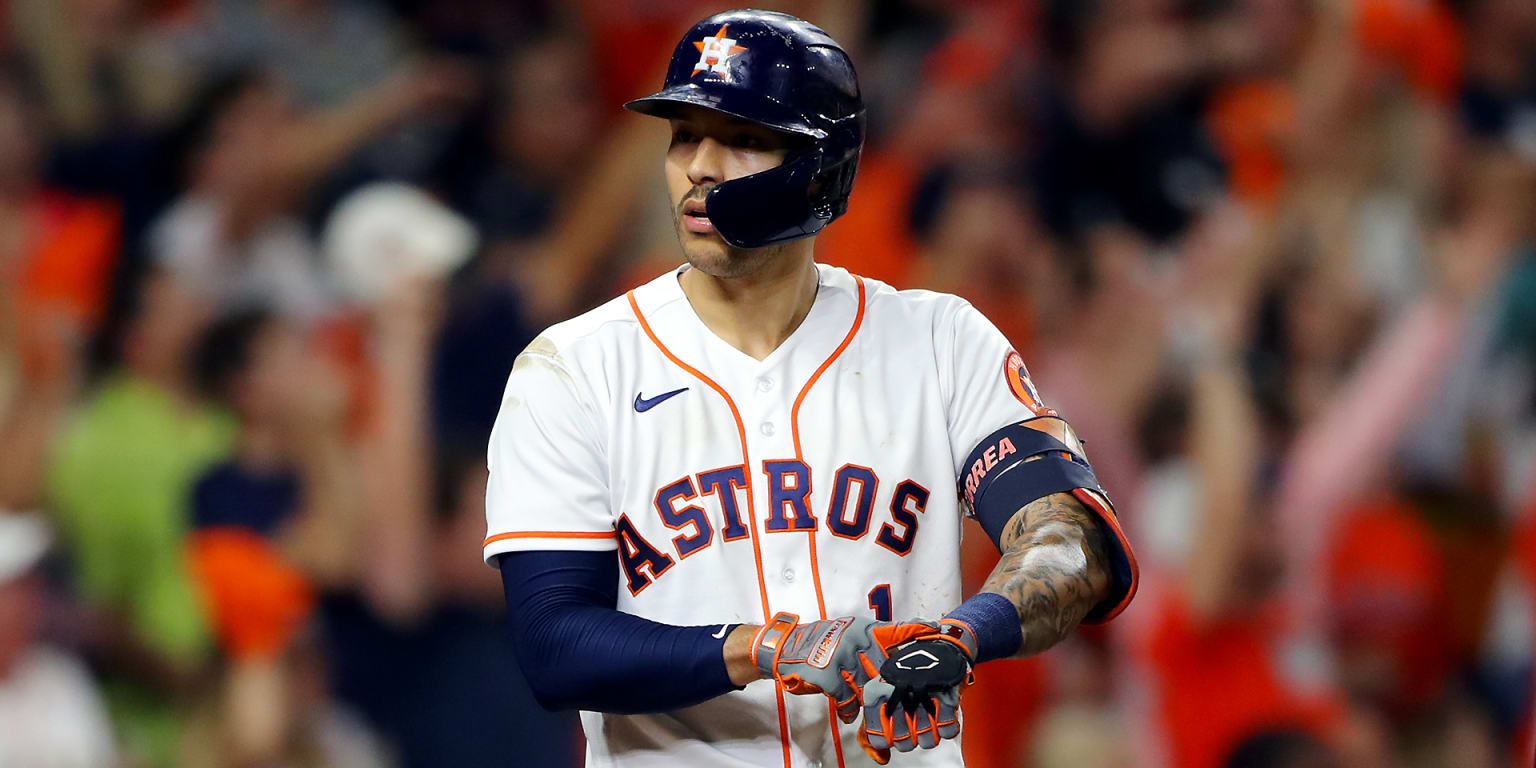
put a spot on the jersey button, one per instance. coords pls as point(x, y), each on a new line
point(789, 575)
point(767, 428)
point(764, 384)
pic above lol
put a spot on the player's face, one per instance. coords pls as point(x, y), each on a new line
point(709, 148)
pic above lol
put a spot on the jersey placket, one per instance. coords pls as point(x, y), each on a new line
point(767, 396)
point(777, 391)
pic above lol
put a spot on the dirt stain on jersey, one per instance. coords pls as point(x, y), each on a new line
point(540, 352)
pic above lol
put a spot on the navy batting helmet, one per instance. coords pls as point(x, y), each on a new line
point(787, 74)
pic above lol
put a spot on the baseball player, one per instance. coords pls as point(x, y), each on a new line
point(712, 498)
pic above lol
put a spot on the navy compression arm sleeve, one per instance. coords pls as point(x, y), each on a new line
point(579, 652)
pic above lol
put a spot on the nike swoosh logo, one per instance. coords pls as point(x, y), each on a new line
point(721, 633)
point(642, 405)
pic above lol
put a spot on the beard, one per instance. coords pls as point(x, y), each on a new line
point(711, 254)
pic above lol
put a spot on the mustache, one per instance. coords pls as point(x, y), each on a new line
point(697, 192)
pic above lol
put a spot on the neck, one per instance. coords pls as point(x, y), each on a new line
point(755, 313)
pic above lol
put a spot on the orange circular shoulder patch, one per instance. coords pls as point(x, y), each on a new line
point(1019, 384)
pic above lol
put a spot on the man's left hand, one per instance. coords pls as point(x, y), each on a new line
point(915, 702)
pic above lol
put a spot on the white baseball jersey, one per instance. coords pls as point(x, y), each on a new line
point(820, 480)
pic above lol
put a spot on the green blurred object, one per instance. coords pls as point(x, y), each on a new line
point(119, 489)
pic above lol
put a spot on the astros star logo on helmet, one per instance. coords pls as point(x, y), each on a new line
point(714, 51)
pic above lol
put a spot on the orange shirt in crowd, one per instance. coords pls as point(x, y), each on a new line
point(1524, 546)
point(633, 40)
point(1387, 593)
point(256, 599)
point(64, 273)
point(1218, 683)
point(1250, 123)
point(1422, 40)
point(73, 249)
point(873, 238)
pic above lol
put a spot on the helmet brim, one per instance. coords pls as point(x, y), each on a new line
point(753, 109)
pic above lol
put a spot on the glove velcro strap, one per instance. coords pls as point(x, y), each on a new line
point(769, 642)
point(819, 649)
point(959, 633)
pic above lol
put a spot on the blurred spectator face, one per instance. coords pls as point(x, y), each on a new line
point(21, 609)
point(242, 135)
point(266, 386)
point(988, 226)
point(709, 148)
point(1513, 18)
point(167, 323)
point(1260, 568)
point(1277, 27)
point(547, 127)
point(18, 147)
point(1322, 326)
point(1313, 320)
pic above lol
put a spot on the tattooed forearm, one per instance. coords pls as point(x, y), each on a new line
point(1054, 569)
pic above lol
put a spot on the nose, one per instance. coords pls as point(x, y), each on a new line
point(708, 164)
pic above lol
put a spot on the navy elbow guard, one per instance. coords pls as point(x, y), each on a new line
point(1030, 460)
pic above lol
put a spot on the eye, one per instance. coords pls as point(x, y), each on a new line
point(684, 136)
point(747, 141)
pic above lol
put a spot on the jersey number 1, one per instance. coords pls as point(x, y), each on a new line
point(880, 601)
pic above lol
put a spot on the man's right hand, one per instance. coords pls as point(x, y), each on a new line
point(832, 656)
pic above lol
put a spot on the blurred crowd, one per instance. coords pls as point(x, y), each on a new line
point(1272, 258)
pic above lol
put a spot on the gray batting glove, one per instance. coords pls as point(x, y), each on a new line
point(832, 656)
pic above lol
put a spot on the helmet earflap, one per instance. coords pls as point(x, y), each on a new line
point(769, 207)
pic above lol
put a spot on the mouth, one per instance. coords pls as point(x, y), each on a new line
point(695, 219)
